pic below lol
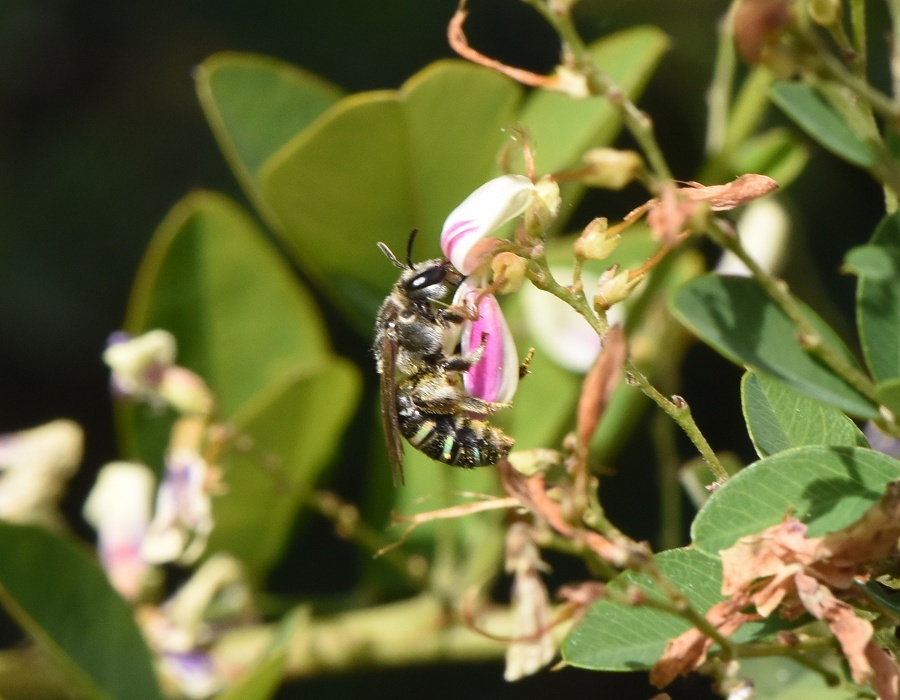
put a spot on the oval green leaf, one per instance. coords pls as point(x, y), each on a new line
point(240, 317)
point(810, 111)
point(878, 299)
point(255, 104)
point(734, 316)
point(294, 428)
point(63, 600)
point(377, 165)
point(828, 488)
point(614, 637)
point(779, 418)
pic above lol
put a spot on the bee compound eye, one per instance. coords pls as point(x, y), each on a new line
point(427, 278)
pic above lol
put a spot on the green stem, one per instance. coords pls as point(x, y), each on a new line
point(718, 97)
point(680, 412)
point(858, 29)
point(670, 511)
point(540, 276)
point(601, 84)
point(810, 339)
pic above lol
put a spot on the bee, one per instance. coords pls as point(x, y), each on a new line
point(422, 393)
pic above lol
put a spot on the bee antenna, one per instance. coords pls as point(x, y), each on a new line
point(409, 246)
point(390, 255)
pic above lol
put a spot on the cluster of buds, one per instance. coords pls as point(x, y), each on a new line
point(132, 535)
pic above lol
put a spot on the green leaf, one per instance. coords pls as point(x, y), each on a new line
point(562, 129)
point(256, 104)
point(806, 106)
point(878, 299)
point(241, 319)
point(735, 317)
point(614, 637)
point(875, 263)
point(261, 682)
point(64, 601)
point(294, 428)
point(775, 153)
point(779, 418)
point(828, 488)
point(889, 394)
point(379, 164)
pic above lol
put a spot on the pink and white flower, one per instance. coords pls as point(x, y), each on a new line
point(119, 509)
point(466, 241)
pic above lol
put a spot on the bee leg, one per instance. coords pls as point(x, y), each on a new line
point(472, 404)
point(463, 363)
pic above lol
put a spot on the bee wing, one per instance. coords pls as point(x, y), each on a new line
point(389, 417)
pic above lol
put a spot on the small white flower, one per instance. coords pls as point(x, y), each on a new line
point(35, 464)
point(764, 231)
point(119, 509)
point(182, 520)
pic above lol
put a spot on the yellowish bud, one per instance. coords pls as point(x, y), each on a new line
point(597, 241)
point(614, 286)
point(611, 168)
point(543, 208)
point(511, 269)
point(185, 391)
point(570, 82)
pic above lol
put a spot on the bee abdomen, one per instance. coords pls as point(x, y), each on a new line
point(456, 440)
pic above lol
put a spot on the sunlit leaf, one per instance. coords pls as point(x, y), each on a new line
point(293, 428)
point(255, 104)
point(878, 299)
point(827, 488)
point(63, 600)
point(804, 104)
point(736, 318)
point(240, 317)
point(615, 637)
point(779, 418)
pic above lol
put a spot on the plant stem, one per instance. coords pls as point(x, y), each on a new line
point(600, 84)
point(539, 274)
point(680, 412)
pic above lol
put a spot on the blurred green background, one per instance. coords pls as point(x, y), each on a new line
point(100, 134)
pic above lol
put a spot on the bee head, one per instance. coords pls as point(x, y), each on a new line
point(426, 281)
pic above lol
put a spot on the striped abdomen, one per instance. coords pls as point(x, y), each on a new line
point(454, 439)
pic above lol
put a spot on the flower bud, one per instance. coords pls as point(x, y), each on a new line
point(611, 168)
point(137, 363)
point(543, 207)
point(511, 269)
point(613, 287)
point(597, 241)
point(184, 391)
